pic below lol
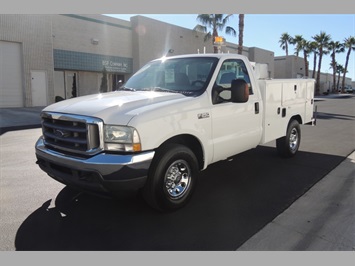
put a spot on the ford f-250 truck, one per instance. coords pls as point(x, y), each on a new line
point(169, 121)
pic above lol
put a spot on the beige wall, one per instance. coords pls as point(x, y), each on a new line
point(34, 32)
point(262, 56)
point(152, 39)
point(76, 34)
point(289, 67)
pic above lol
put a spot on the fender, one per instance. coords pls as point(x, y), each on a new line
point(182, 117)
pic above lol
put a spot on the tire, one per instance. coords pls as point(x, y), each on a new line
point(172, 178)
point(288, 146)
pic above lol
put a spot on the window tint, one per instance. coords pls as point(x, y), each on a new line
point(233, 69)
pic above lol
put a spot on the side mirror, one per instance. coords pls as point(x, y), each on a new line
point(240, 91)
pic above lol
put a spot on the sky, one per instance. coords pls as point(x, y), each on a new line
point(264, 31)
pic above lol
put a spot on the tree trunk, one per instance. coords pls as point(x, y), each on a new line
point(334, 72)
point(305, 64)
point(314, 65)
point(318, 73)
point(286, 46)
point(241, 30)
point(345, 69)
point(215, 47)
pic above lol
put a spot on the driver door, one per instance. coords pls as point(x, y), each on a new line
point(236, 127)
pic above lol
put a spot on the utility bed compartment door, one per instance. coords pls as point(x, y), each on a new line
point(309, 101)
point(273, 124)
point(293, 93)
point(283, 99)
point(298, 98)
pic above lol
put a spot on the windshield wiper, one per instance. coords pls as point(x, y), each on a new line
point(164, 90)
point(159, 89)
point(125, 89)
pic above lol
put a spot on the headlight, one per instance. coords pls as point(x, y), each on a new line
point(121, 138)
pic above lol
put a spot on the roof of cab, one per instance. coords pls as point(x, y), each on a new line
point(220, 56)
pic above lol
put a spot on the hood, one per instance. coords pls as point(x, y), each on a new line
point(123, 105)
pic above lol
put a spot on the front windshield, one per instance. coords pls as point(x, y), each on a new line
point(189, 76)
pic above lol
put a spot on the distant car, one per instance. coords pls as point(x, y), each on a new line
point(349, 89)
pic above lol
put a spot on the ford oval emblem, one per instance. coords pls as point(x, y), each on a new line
point(61, 133)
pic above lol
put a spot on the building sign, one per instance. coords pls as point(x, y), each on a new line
point(78, 61)
point(112, 66)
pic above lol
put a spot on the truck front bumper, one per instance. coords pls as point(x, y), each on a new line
point(103, 172)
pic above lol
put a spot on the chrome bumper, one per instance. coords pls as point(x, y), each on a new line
point(99, 173)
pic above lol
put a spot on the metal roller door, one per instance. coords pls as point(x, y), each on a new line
point(11, 91)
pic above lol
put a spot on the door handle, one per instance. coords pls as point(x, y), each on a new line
point(256, 105)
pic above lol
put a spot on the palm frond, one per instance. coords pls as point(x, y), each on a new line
point(200, 28)
point(231, 31)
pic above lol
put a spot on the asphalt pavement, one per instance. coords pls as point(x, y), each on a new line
point(323, 219)
point(19, 118)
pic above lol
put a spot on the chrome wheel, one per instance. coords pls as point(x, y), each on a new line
point(177, 179)
point(288, 145)
point(172, 177)
point(293, 141)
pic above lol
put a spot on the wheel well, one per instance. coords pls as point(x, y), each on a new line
point(298, 118)
point(191, 142)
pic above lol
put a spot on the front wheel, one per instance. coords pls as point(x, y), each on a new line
point(288, 146)
point(172, 178)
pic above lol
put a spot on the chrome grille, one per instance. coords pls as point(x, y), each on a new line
point(72, 133)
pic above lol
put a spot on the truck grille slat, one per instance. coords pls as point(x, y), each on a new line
point(70, 133)
point(73, 128)
point(66, 139)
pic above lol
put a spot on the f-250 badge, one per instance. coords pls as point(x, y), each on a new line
point(203, 115)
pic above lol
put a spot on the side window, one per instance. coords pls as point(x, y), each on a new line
point(231, 69)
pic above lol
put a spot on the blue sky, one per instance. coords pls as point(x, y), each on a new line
point(264, 30)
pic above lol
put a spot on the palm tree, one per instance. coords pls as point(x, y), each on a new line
point(241, 30)
point(313, 49)
point(322, 40)
point(302, 45)
point(350, 44)
point(306, 48)
point(335, 47)
point(298, 41)
point(339, 70)
point(284, 41)
point(216, 22)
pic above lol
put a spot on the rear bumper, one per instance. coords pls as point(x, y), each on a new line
point(99, 173)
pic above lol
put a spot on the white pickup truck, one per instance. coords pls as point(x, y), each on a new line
point(171, 119)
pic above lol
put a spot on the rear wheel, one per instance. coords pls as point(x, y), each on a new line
point(288, 146)
point(172, 178)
